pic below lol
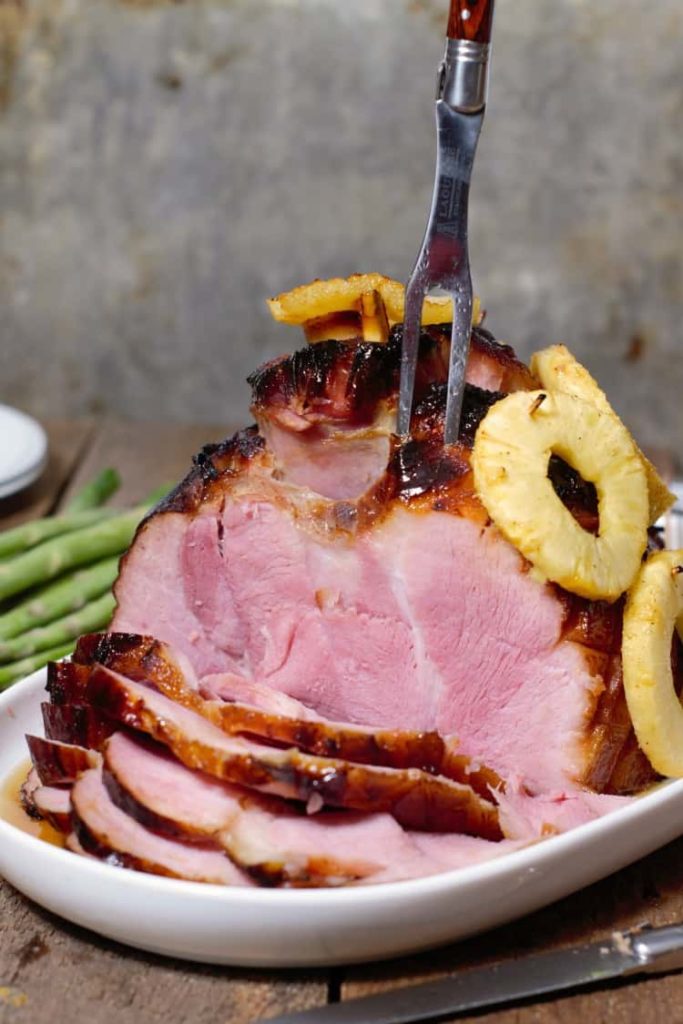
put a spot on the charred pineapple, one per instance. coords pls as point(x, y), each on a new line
point(363, 305)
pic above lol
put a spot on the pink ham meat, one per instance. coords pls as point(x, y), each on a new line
point(269, 839)
point(106, 832)
point(415, 798)
point(53, 804)
point(28, 788)
point(269, 715)
point(403, 605)
point(46, 803)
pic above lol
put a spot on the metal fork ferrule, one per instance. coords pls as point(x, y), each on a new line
point(462, 81)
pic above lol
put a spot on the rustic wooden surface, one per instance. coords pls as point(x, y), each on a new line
point(52, 971)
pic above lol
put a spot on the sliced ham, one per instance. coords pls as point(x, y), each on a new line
point(523, 815)
point(76, 724)
point(415, 798)
point(106, 832)
point(28, 788)
point(266, 837)
point(53, 804)
point(48, 803)
point(59, 763)
point(273, 716)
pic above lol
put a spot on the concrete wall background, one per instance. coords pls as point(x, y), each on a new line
point(166, 166)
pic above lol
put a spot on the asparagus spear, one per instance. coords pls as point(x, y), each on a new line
point(18, 669)
point(93, 616)
point(65, 595)
point(18, 540)
point(96, 492)
point(56, 556)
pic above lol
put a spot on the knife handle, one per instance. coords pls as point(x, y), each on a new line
point(471, 20)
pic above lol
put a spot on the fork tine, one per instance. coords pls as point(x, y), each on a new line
point(457, 365)
point(412, 321)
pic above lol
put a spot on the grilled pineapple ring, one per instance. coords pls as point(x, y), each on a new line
point(558, 370)
point(512, 449)
point(653, 607)
point(343, 294)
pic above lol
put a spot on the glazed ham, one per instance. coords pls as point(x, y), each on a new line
point(327, 666)
point(401, 606)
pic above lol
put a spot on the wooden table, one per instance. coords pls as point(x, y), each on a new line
point(51, 971)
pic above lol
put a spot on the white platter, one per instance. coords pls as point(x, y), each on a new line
point(287, 928)
point(23, 450)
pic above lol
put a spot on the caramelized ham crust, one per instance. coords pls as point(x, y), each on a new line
point(400, 604)
point(273, 841)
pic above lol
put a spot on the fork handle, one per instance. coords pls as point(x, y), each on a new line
point(471, 20)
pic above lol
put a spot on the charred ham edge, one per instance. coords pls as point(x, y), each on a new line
point(46, 803)
point(106, 832)
point(150, 785)
point(67, 681)
point(416, 799)
point(28, 788)
point(138, 657)
point(271, 840)
point(345, 381)
point(59, 763)
point(417, 473)
point(76, 724)
point(144, 659)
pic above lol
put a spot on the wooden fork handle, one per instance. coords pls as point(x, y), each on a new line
point(471, 19)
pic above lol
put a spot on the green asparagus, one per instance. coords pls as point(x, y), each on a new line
point(28, 535)
point(96, 492)
point(65, 595)
point(18, 669)
point(93, 616)
point(56, 556)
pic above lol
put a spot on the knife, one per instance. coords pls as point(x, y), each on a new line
point(443, 260)
point(625, 954)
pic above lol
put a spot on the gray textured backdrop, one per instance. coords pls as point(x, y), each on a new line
point(166, 166)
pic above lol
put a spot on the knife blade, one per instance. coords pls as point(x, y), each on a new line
point(625, 954)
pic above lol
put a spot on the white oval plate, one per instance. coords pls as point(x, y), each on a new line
point(290, 928)
point(23, 450)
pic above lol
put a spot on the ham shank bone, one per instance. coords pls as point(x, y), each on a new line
point(401, 605)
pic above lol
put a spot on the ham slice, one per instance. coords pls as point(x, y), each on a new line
point(59, 763)
point(53, 804)
point(415, 798)
point(49, 803)
point(76, 724)
point(106, 832)
point(266, 837)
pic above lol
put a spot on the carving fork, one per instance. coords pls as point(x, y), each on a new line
point(443, 261)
